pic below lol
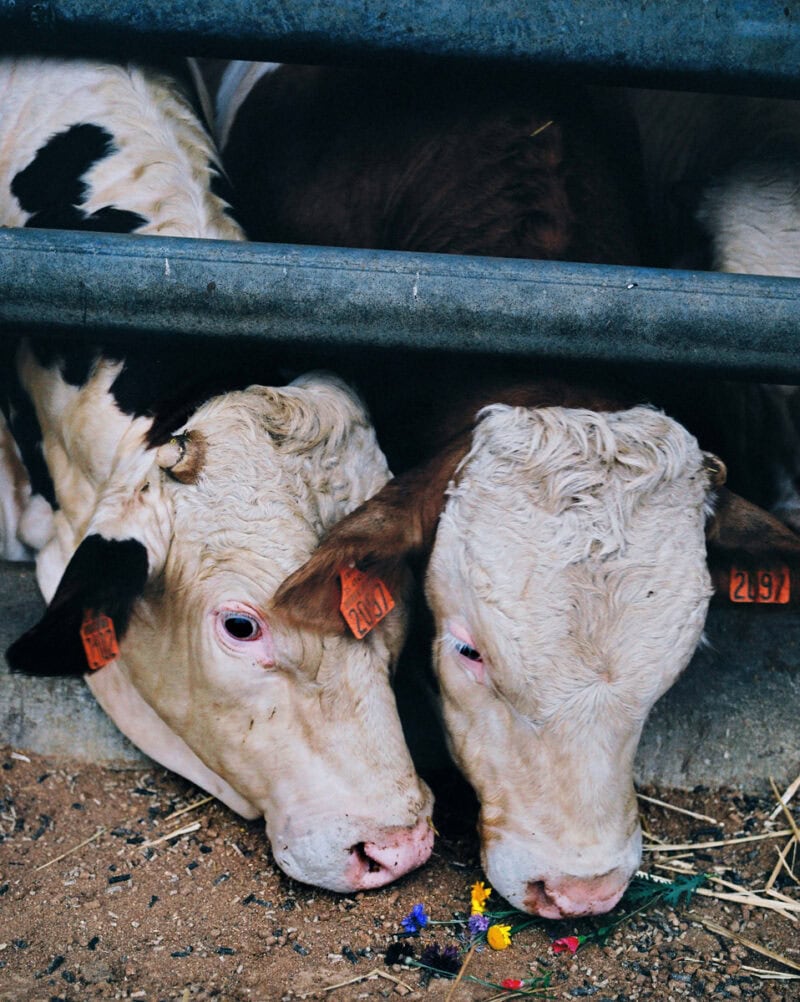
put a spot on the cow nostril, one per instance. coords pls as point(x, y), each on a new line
point(360, 852)
point(537, 897)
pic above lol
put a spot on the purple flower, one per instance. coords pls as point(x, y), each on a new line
point(446, 961)
point(415, 920)
point(477, 924)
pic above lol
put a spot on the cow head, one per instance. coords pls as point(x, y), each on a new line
point(186, 547)
point(569, 583)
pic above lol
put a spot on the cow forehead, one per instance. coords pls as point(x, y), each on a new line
point(279, 468)
point(570, 535)
point(583, 481)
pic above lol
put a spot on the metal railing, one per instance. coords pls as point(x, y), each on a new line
point(83, 283)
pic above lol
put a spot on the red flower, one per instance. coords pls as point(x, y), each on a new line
point(570, 943)
point(512, 983)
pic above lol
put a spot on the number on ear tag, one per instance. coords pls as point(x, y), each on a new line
point(761, 587)
point(365, 601)
point(99, 639)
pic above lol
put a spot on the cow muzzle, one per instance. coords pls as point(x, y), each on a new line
point(590, 880)
point(355, 856)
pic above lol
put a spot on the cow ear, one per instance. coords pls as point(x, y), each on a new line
point(396, 523)
point(746, 545)
point(105, 577)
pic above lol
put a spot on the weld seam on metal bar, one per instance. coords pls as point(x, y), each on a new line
point(112, 285)
point(736, 43)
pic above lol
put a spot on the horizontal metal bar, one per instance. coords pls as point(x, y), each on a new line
point(752, 44)
point(112, 285)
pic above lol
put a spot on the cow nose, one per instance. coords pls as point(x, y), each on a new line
point(569, 897)
point(398, 850)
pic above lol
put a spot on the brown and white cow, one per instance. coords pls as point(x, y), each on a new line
point(177, 523)
point(564, 531)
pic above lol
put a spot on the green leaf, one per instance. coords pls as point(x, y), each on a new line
point(681, 890)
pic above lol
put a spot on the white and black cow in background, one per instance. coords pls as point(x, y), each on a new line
point(177, 521)
point(566, 534)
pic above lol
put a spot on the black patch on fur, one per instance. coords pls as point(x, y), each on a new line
point(51, 188)
point(23, 423)
point(104, 575)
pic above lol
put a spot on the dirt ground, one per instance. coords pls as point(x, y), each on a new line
point(130, 914)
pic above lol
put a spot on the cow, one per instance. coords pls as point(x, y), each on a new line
point(568, 532)
point(722, 173)
point(168, 512)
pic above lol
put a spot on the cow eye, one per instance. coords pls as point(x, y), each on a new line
point(241, 627)
point(467, 652)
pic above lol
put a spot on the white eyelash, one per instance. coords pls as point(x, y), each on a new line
point(451, 643)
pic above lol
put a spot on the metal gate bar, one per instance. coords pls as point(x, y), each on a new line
point(287, 295)
point(743, 44)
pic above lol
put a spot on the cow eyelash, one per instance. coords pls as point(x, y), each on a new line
point(241, 627)
point(470, 653)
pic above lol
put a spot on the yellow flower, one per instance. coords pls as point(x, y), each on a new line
point(498, 936)
point(479, 896)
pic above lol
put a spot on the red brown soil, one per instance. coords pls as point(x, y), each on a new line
point(207, 915)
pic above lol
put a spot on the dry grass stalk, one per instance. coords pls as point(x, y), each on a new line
point(785, 798)
point(376, 972)
point(678, 810)
point(740, 896)
point(691, 846)
point(749, 943)
point(467, 959)
point(785, 810)
point(185, 810)
point(765, 975)
point(173, 834)
point(782, 864)
point(80, 845)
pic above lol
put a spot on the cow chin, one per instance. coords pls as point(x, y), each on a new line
point(353, 856)
point(590, 881)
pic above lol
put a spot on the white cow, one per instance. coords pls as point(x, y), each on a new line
point(565, 541)
point(178, 529)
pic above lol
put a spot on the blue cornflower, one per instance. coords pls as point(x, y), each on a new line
point(415, 920)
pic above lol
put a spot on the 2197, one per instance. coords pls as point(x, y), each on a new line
point(763, 587)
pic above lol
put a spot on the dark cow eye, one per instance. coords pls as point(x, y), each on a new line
point(241, 627)
point(468, 652)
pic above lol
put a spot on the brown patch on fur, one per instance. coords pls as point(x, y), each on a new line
point(191, 451)
point(717, 471)
point(437, 161)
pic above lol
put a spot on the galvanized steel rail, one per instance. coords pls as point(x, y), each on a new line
point(750, 44)
point(91, 284)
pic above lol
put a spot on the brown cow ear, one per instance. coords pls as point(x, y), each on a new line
point(396, 523)
point(753, 557)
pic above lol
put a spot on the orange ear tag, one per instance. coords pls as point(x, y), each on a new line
point(99, 639)
point(761, 587)
point(365, 601)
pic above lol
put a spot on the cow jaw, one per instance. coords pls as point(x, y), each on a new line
point(309, 736)
point(569, 587)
